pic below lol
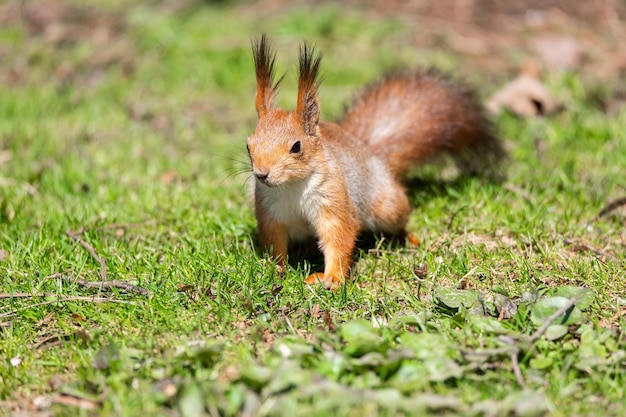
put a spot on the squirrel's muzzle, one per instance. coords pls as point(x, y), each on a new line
point(262, 176)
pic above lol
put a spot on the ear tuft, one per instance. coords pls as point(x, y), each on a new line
point(308, 107)
point(264, 58)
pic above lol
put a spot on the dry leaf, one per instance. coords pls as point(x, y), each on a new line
point(169, 177)
point(315, 311)
point(78, 317)
point(524, 96)
point(328, 321)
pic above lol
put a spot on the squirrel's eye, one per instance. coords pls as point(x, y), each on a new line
point(296, 148)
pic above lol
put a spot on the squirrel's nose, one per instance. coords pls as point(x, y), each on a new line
point(262, 176)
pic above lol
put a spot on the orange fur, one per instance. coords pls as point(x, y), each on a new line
point(328, 181)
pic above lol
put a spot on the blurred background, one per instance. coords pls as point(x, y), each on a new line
point(138, 92)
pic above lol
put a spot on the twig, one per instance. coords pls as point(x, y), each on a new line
point(63, 299)
point(115, 226)
point(104, 285)
point(515, 345)
point(75, 402)
point(91, 250)
point(544, 327)
point(290, 325)
point(25, 295)
point(590, 248)
point(50, 341)
point(100, 285)
point(517, 371)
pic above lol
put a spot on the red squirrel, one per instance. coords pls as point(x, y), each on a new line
point(330, 181)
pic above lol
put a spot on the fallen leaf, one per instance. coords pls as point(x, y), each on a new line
point(545, 307)
point(524, 96)
point(315, 311)
point(268, 337)
point(328, 321)
point(78, 317)
point(556, 331)
point(585, 295)
point(421, 271)
point(184, 287)
point(456, 299)
point(506, 308)
point(169, 177)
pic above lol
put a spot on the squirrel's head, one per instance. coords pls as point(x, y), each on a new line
point(283, 143)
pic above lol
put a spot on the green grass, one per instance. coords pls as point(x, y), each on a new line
point(147, 155)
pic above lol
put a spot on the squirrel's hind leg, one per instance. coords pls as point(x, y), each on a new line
point(391, 210)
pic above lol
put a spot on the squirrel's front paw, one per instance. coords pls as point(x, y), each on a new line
point(331, 282)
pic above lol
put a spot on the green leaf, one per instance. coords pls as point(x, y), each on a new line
point(442, 369)
point(361, 338)
point(585, 295)
point(412, 376)
point(455, 299)
point(235, 397)
point(424, 345)
point(256, 376)
point(289, 375)
point(545, 307)
point(389, 398)
point(556, 331)
point(488, 325)
point(333, 364)
point(541, 362)
point(191, 401)
point(369, 360)
point(530, 404)
point(294, 347)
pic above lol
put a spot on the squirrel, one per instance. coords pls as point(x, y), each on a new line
point(331, 181)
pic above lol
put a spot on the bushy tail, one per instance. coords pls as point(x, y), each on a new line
point(410, 118)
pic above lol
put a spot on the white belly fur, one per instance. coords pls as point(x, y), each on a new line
point(295, 205)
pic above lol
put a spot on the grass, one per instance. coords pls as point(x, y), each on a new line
point(143, 156)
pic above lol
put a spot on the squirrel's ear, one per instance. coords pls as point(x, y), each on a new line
point(264, 59)
point(308, 107)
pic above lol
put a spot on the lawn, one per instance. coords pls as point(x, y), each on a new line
point(130, 283)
